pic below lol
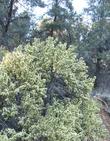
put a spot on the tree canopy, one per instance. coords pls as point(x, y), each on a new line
point(45, 95)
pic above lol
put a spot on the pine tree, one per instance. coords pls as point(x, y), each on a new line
point(60, 21)
point(97, 40)
point(14, 27)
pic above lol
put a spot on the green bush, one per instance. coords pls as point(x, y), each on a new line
point(44, 95)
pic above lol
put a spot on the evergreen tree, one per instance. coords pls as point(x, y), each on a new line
point(96, 44)
point(44, 95)
point(14, 27)
point(60, 21)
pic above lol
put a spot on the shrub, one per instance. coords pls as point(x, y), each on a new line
point(44, 95)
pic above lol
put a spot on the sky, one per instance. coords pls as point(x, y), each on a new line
point(38, 12)
point(78, 6)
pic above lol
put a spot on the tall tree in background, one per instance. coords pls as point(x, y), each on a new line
point(14, 27)
point(60, 21)
point(97, 42)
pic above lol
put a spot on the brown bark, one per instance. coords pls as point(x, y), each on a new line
point(52, 29)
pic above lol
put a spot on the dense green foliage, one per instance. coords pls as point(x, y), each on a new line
point(45, 86)
point(97, 42)
point(45, 95)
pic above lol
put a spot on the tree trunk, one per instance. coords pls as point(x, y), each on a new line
point(98, 66)
point(54, 20)
point(9, 16)
point(7, 24)
point(97, 73)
